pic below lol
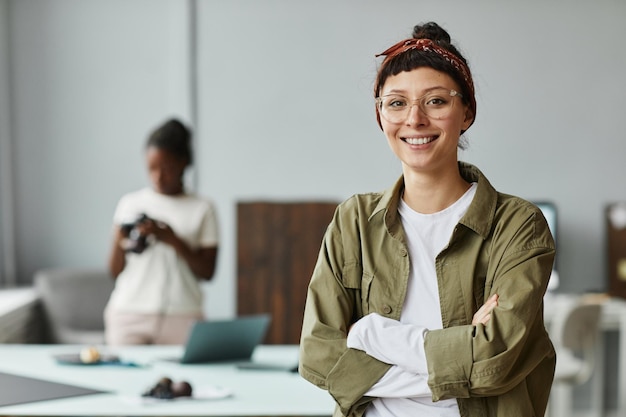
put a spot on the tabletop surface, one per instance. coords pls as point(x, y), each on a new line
point(219, 389)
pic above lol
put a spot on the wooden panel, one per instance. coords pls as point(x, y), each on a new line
point(277, 247)
point(616, 251)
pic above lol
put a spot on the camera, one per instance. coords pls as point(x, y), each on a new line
point(137, 242)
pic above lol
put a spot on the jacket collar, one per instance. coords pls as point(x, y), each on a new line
point(480, 214)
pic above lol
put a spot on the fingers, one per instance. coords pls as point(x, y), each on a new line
point(151, 227)
point(483, 315)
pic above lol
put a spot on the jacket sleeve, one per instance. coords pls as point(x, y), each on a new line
point(332, 305)
point(465, 360)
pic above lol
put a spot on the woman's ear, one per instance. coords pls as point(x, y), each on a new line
point(469, 118)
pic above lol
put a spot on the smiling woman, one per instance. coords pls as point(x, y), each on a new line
point(439, 268)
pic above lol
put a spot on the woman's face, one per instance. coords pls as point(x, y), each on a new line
point(425, 144)
point(165, 170)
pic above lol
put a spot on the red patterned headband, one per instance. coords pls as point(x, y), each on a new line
point(429, 45)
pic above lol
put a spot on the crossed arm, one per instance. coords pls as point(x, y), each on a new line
point(402, 346)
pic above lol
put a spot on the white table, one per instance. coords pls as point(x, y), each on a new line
point(255, 392)
point(613, 318)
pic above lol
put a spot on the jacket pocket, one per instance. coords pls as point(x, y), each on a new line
point(355, 279)
point(366, 285)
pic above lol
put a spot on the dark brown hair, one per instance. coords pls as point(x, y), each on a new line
point(173, 137)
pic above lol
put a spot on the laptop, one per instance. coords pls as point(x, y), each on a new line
point(225, 340)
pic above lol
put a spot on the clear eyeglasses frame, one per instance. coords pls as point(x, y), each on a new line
point(436, 104)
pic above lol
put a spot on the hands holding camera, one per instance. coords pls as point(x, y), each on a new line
point(135, 235)
point(160, 230)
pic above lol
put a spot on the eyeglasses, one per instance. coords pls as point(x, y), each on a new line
point(436, 104)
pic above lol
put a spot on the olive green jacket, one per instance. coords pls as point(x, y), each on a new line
point(501, 246)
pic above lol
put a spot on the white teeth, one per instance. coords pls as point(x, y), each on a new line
point(418, 141)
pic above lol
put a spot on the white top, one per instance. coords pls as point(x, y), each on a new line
point(158, 280)
point(403, 390)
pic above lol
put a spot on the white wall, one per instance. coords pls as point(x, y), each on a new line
point(285, 111)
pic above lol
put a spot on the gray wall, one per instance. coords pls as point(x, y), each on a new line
point(88, 79)
point(282, 110)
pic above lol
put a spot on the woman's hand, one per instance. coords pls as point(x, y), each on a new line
point(160, 230)
point(483, 315)
point(201, 261)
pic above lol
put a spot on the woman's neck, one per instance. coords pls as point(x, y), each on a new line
point(429, 194)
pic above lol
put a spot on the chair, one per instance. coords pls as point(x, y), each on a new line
point(73, 302)
point(575, 333)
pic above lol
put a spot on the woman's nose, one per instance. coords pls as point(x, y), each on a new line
point(415, 115)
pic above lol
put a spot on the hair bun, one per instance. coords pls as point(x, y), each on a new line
point(174, 137)
point(176, 128)
point(432, 31)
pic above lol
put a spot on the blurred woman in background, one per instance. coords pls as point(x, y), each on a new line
point(165, 241)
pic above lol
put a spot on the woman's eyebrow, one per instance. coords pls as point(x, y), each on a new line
point(425, 91)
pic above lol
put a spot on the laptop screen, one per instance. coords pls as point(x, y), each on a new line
point(225, 340)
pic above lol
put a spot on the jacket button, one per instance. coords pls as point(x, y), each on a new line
point(403, 252)
point(386, 309)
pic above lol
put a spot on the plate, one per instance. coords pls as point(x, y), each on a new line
point(206, 393)
point(74, 359)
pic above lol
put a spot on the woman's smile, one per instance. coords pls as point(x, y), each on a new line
point(419, 140)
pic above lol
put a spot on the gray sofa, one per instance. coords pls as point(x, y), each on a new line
point(72, 304)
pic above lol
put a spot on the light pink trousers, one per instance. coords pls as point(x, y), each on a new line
point(147, 329)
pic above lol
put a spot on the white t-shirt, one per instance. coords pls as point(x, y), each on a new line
point(403, 390)
point(158, 280)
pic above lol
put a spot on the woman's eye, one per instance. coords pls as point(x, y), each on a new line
point(396, 102)
point(435, 101)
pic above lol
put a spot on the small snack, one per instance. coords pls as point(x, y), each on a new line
point(181, 389)
point(89, 355)
point(161, 390)
point(166, 389)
